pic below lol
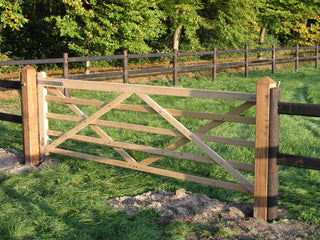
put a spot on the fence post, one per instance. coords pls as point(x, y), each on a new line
point(273, 151)
point(214, 68)
point(175, 68)
point(29, 115)
point(43, 109)
point(297, 58)
point(247, 61)
point(125, 66)
point(317, 56)
point(66, 72)
point(262, 147)
point(273, 59)
point(87, 68)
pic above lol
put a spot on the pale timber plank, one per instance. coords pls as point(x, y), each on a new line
point(155, 130)
point(157, 171)
point(43, 110)
point(153, 90)
point(152, 150)
point(173, 112)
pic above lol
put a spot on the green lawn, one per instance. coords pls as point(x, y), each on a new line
point(68, 201)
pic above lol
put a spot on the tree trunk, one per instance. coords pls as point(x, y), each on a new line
point(262, 34)
point(261, 41)
point(176, 37)
point(177, 32)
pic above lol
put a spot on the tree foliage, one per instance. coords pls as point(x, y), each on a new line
point(11, 16)
point(39, 29)
point(100, 27)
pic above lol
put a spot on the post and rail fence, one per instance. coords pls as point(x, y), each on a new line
point(308, 53)
point(267, 156)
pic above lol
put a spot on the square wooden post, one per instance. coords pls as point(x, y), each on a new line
point(29, 115)
point(262, 147)
point(274, 129)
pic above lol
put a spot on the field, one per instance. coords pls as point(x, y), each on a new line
point(68, 201)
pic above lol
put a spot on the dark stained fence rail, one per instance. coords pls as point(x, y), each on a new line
point(298, 161)
point(310, 53)
point(300, 109)
point(10, 84)
point(7, 116)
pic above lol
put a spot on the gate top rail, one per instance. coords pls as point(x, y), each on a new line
point(153, 90)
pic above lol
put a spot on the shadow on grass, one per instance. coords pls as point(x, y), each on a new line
point(11, 135)
point(35, 218)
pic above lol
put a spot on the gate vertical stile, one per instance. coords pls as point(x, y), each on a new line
point(43, 109)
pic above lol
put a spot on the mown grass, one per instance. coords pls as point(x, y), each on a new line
point(68, 201)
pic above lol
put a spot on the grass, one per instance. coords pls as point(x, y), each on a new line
point(68, 201)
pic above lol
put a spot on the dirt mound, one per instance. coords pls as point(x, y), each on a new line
point(12, 161)
point(236, 216)
point(182, 205)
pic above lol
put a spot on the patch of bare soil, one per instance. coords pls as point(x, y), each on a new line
point(235, 216)
point(11, 161)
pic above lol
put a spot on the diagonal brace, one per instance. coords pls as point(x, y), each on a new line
point(192, 137)
point(85, 122)
point(201, 130)
point(98, 130)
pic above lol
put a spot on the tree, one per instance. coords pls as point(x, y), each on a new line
point(11, 18)
point(183, 21)
point(36, 38)
point(100, 28)
point(292, 21)
point(231, 24)
point(11, 15)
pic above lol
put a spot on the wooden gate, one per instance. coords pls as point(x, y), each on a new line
point(51, 90)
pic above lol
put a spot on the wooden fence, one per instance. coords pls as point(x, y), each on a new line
point(29, 110)
point(268, 108)
point(275, 57)
point(275, 157)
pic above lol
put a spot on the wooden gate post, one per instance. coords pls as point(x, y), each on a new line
point(29, 115)
point(273, 152)
point(262, 147)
